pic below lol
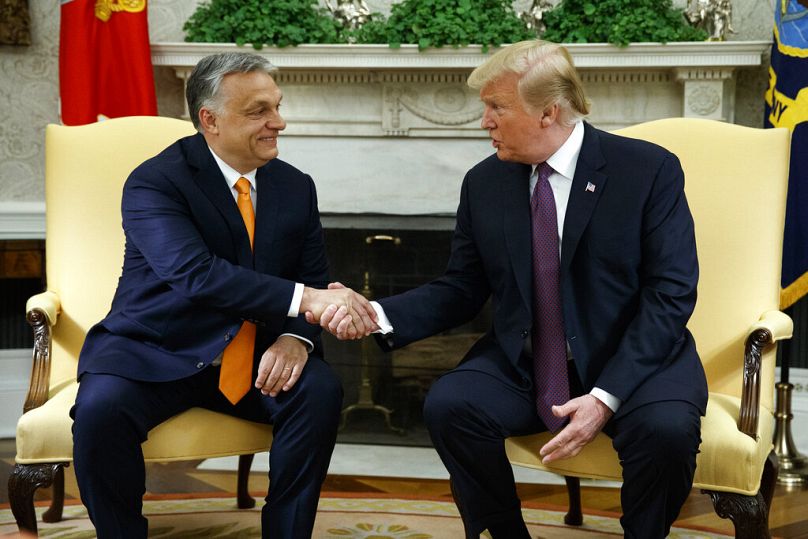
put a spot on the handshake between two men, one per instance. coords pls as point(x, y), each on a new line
point(344, 313)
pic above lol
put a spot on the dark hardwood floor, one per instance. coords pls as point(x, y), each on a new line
point(788, 518)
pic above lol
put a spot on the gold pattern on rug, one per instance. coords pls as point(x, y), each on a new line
point(350, 517)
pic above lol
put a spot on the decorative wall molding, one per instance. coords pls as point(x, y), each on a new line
point(321, 77)
point(450, 109)
point(15, 370)
point(22, 220)
point(799, 396)
point(625, 77)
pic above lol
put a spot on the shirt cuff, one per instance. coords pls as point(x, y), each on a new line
point(297, 297)
point(384, 323)
point(606, 398)
point(304, 340)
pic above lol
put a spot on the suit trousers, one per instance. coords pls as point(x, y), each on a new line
point(470, 410)
point(113, 415)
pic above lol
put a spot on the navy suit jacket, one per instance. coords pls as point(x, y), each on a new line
point(628, 273)
point(189, 276)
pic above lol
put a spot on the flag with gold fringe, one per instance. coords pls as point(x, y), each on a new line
point(105, 68)
point(787, 106)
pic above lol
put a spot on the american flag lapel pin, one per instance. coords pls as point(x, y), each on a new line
point(590, 187)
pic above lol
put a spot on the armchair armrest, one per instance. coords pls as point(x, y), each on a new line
point(42, 312)
point(772, 327)
point(47, 302)
point(778, 323)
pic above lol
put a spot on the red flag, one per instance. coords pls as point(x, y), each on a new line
point(105, 65)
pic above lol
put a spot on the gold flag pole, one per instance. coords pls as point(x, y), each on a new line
point(793, 465)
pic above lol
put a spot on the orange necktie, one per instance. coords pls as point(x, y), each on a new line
point(236, 374)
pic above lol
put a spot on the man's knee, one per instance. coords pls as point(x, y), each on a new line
point(445, 403)
point(98, 413)
point(671, 432)
point(102, 428)
point(104, 411)
point(679, 436)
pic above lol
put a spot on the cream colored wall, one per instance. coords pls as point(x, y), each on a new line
point(29, 86)
point(29, 91)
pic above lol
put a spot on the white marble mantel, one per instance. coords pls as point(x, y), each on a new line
point(586, 55)
point(690, 65)
point(366, 120)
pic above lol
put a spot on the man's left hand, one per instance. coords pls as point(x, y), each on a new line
point(281, 365)
point(587, 417)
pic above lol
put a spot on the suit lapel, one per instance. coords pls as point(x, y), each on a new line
point(269, 196)
point(516, 222)
point(211, 182)
point(587, 187)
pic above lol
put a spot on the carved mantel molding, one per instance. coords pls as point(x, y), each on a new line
point(382, 57)
point(406, 92)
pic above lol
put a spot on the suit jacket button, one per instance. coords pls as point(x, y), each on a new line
point(525, 333)
point(226, 337)
point(200, 365)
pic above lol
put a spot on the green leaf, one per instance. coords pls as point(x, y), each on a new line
point(434, 23)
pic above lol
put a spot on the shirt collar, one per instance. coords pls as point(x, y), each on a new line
point(565, 159)
point(231, 175)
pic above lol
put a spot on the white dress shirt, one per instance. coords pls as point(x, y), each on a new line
point(232, 176)
point(563, 161)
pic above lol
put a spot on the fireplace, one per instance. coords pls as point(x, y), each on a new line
point(21, 276)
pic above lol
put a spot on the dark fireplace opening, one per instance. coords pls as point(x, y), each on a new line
point(384, 392)
point(21, 276)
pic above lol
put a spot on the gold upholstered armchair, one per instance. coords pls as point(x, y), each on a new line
point(736, 180)
point(84, 174)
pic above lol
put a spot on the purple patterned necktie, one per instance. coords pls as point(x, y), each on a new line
point(549, 342)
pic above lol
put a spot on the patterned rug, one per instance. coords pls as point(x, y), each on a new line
point(339, 517)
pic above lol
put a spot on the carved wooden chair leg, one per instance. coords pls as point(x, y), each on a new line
point(749, 514)
point(769, 480)
point(54, 512)
point(244, 500)
point(22, 483)
point(574, 516)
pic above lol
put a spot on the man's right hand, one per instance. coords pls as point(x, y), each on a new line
point(358, 318)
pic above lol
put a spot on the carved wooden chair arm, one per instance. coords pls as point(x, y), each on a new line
point(42, 312)
point(772, 327)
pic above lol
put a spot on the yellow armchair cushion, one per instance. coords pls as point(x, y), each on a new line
point(729, 460)
point(44, 434)
point(597, 460)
